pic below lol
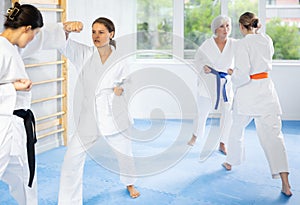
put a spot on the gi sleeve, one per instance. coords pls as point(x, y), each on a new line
point(200, 61)
point(76, 52)
point(8, 96)
point(51, 36)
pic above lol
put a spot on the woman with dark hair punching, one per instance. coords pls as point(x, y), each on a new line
point(256, 98)
point(94, 62)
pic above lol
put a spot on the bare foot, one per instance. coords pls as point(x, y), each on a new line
point(222, 148)
point(192, 140)
point(134, 193)
point(286, 191)
point(286, 188)
point(227, 166)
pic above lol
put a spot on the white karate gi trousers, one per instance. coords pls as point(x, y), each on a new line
point(204, 107)
point(70, 191)
point(14, 168)
point(268, 129)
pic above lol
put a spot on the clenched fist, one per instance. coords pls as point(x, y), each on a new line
point(23, 84)
point(118, 91)
point(73, 26)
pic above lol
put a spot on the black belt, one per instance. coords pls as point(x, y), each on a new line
point(29, 123)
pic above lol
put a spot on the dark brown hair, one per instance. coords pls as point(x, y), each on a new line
point(110, 27)
point(249, 20)
point(23, 15)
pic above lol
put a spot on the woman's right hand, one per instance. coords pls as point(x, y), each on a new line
point(73, 26)
point(118, 91)
point(230, 71)
point(206, 69)
point(23, 85)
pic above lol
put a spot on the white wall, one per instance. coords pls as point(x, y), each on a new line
point(286, 80)
point(4, 5)
point(122, 13)
point(285, 77)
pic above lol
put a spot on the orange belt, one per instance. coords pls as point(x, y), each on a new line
point(259, 76)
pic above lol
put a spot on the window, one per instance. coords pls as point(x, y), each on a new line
point(162, 34)
point(235, 9)
point(154, 28)
point(198, 15)
point(283, 24)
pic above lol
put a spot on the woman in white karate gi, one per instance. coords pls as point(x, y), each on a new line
point(92, 62)
point(256, 97)
point(217, 53)
point(22, 23)
point(17, 168)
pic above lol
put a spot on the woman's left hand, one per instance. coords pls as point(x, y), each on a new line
point(118, 91)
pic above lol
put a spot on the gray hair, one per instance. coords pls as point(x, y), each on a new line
point(218, 21)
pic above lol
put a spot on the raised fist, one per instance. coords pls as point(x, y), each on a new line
point(73, 26)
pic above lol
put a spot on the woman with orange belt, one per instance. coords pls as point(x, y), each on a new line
point(256, 98)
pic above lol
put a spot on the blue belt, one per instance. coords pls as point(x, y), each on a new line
point(220, 75)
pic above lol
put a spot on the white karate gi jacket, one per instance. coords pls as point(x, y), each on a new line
point(12, 68)
point(97, 110)
point(209, 54)
point(254, 97)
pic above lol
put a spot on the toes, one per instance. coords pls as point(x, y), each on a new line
point(133, 192)
point(135, 195)
point(226, 166)
point(287, 193)
point(191, 143)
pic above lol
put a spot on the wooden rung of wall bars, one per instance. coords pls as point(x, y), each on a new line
point(45, 63)
point(48, 98)
point(49, 116)
point(51, 133)
point(52, 2)
point(51, 9)
point(48, 81)
point(47, 125)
